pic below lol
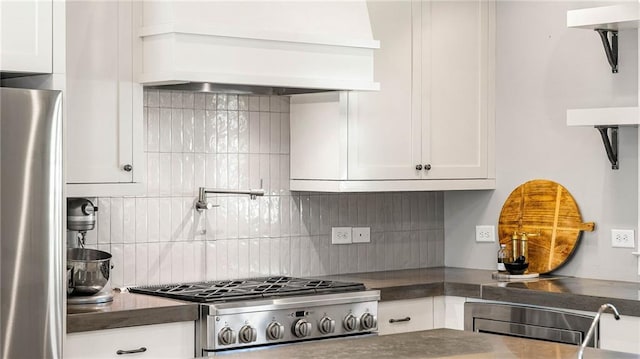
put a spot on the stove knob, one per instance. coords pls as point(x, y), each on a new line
point(327, 325)
point(226, 336)
point(350, 323)
point(247, 334)
point(302, 328)
point(275, 331)
point(368, 321)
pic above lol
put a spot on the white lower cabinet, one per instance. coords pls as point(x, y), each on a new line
point(448, 312)
point(620, 335)
point(406, 315)
point(171, 340)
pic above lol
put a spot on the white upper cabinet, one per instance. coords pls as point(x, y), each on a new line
point(104, 106)
point(430, 127)
point(26, 36)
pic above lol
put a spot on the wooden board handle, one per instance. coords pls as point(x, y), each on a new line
point(588, 226)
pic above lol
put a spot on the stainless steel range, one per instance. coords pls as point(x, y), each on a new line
point(250, 313)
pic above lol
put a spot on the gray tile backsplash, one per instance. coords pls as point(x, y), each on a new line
point(231, 141)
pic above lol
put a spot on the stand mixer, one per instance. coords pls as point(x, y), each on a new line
point(88, 270)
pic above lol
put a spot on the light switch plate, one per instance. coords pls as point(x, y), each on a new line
point(341, 235)
point(361, 235)
point(485, 233)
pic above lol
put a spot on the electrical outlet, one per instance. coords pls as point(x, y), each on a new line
point(622, 238)
point(361, 235)
point(485, 233)
point(341, 235)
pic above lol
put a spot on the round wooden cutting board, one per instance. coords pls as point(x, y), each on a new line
point(545, 207)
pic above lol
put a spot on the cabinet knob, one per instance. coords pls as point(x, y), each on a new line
point(418, 167)
point(427, 167)
point(127, 168)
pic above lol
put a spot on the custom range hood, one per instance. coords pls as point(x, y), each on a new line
point(279, 47)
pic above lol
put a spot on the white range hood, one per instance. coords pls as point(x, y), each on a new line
point(304, 45)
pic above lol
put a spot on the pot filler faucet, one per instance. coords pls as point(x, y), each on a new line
point(202, 203)
point(595, 321)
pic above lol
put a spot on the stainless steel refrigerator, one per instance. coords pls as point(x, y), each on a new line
point(32, 275)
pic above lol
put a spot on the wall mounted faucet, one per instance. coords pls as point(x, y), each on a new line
point(202, 203)
point(595, 321)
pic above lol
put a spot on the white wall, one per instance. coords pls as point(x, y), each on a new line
point(543, 68)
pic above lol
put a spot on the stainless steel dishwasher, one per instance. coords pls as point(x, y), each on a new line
point(529, 322)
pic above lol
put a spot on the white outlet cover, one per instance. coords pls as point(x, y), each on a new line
point(341, 235)
point(485, 233)
point(622, 238)
point(361, 234)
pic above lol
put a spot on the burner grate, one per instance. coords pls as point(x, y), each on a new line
point(253, 288)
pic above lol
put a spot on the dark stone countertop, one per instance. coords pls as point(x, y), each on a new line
point(437, 343)
point(128, 310)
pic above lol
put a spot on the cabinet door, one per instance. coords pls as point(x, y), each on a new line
point(104, 106)
point(171, 340)
point(384, 126)
point(403, 316)
point(26, 36)
point(457, 87)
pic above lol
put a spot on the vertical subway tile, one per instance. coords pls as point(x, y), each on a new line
point(210, 101)
point(153, 130)
point(274, 103)
point(232, 131)
point(165, 174)
point(325, 263)
point(254, 132)
point(414, 250)
point(274, 174)
point(243, 102)
point(274, 214)
point(275, 256)
point(199, 260)
point(265, 256)
point(243, 217)
point(285, 216)
point(294, 205)
point(265, 167)
point(188, 268)
point(117, 220)
point(177, 262)
point(285, 256)
point(188, 128)
point(232, 217)
point(233, 269)
point(264, 103)
point(153, 98)
point(211, 131)
point(200, 225)
point(361, 200)
point(232, 102)
point(188, 219)
point(265, 219)
point(221, 217)
point(176, 174)
point(176, 219)
point(129, 264)
point(233, 171)
point(165, 263)
point(305, 214)
point(165, 130)
point(406, 212)
point(314, 215)
point(153, 174)
point(176, 99)
point(325, 226)
point(334, 258)
point(222, 101)
point(284, 133)
point(274, 139)
point(353, 209)
point(222, 131)
point(285, 103)
point(210, 260)
point(177, 134)
point(188, 99)
point(334, 210)
point(142, 264)
point(210, 171)
point(254, 171)
point(199, 131)
point(153, 219)
point(199, 101)
point(243, 171)
point(243, 132)
point(117, 259)
point(243, 258)
point(254, 257)
point(199, 171)
point(314, 256)
point(254, 103)
point(222, 179)
point(104, 220)
point(345, 259)
point(265, 132)
point(413, 212)
point(164, 228)
point(188, 175)
point(165, 99)
point(254, 218)
point(343, 210)
point(153, 263)
point(141, 220)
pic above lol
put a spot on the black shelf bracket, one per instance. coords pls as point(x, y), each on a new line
point(610, 144)
point(610, 47)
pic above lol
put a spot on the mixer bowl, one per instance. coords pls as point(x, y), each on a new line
point(88, 271)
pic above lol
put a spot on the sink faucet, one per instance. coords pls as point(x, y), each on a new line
point(595, 321)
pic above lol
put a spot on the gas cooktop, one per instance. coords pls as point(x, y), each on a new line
point(243, 289)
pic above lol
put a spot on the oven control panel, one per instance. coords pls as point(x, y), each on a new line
point(255, 326)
